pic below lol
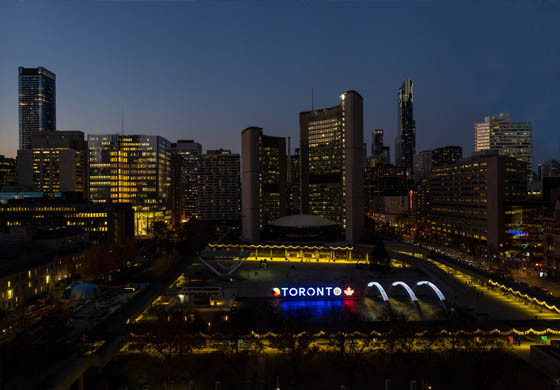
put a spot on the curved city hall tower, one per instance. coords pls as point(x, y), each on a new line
point(264, 181)
point(332, 170)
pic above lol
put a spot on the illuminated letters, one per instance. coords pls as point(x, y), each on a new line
point(312, 291)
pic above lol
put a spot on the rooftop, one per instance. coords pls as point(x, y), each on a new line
point(302, 220)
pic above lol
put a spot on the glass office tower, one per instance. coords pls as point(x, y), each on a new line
point(132, 169)
point(37, 103)
point(405, 143)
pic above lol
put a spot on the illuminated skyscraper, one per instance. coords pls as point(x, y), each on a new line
point(191, 152)
point(405, 142)
point(132, 169)
point(508, 138)
point(101, 152)
point(37, 103)
point(332, 169)
point(264, 179)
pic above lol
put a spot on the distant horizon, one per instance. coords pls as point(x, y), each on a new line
point(206, 71)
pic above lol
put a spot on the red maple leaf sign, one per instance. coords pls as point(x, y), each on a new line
point(348, 292)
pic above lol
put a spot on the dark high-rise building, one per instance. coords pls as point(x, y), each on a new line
point(191, 152)
point(37, 103)
point(377, 142)
point(176, 189)
point(446, 155)
point(293, 184)
point(422, 165)
point(218, 187)
point(550, 168)
point(405, 143)
point(332, 168)
point(378, 150)
point(264, 180)
point(56, 162)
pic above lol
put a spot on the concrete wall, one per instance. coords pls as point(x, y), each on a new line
point(250, 183)
point(353, 165)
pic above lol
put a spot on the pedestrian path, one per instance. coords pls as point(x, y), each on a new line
point(516, 303)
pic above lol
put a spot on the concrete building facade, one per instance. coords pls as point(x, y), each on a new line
point(332, 167)
point(264, 178)
point(499, 133)
point(55, 162)
point(468, 198)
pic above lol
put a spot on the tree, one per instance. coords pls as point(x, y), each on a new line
point(408, 348)
point(349, 351)
point(97, 262)
point(379, 255)
point(296, 349)
point(194, 235)
point(235, 353)
point(171, 340)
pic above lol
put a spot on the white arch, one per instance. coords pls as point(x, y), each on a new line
point(381, 290)
point(433, 287)
point(408, 289)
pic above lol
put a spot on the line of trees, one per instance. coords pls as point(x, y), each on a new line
point(402, 353)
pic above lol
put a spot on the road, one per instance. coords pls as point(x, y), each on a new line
point(116, 325)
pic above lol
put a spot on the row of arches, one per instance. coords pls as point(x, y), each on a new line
point(407, 288)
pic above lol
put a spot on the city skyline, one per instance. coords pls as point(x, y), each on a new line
point(182, 105)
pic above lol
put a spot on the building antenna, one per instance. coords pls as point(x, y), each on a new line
point(122, 121)
point(312, 99)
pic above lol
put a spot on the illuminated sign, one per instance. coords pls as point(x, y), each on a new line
point(312, 292)
point(518, 233)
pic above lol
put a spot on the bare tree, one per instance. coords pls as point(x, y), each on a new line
point(296, 350)
point(349, 351)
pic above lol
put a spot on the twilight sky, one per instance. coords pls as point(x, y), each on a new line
point(207, 70)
